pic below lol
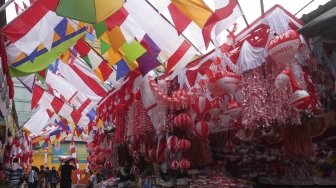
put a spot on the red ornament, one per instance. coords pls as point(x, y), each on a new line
point(202, 129)
point(184, 145)
point(184, 164)
point(183, 120)
point(174, 165)
point(201, 105)
point(283, 47)
point(172, 143)
point(228, 81)
point(300, 98)
point(233, 109)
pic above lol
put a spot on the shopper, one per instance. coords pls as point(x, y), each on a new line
point(66, 171)
point(53, 177)
point(125, 175)
point(41, 177)
point(15, 173)
point(31, 175)
point(92, 180)
point(46, 177)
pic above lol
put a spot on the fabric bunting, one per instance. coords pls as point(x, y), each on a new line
point(69, 93)
point(38, 121)
point(180, 20)
point(147, 63)
point(83, 81)
point(44, 99)
point(96, 62)
point(38, 36)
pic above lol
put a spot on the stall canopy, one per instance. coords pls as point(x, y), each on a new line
point(322, 25)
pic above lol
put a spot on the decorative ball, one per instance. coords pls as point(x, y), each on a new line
point(183, 120)
point(228, 81)
point(283, 47)
point(184, 164)
point(174, 165)
point(184, 145)
point(202, 129)
point(201, 105)
point(172, 143)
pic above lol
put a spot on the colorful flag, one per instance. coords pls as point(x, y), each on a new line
point(196, 10)
point(94, 60)
point(180, 20)
point(38, 36)
point(147, 63)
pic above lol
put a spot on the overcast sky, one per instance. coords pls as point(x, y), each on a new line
point(251, 8)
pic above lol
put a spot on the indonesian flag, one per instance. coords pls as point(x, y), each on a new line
point(74, 155)
point(46, 100)
point(226, 13)
point(69, 93)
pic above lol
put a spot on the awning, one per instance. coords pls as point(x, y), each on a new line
point(323, 25)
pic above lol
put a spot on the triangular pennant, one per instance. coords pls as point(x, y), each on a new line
point(116, 38)
point(122, 69)
point(100, 28)
point(69, 29)
point(113, 57)
point(147, 63)
point(104, 47)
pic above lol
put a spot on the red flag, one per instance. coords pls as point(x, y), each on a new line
point(18, 9)
point(180, 20)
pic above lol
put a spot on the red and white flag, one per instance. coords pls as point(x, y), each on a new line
point(46, 100)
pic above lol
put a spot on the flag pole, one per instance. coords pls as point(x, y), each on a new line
point(3, 7)
point(262, 7)
point(173, 26)
point(303, 7)
point(244, 17)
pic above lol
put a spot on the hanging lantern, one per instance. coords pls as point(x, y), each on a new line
point(184, 164)
point(283, 47)
point(202, 129)
point(172, 143)
point(174, 165)
point(282, 79)
point(233, 109)
point(228, 81)
point(183, 145)
point(182, 98)
point(201, 105)
point(183, 120)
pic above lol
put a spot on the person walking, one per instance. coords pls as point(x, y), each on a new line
point(15, 173)
point(41, 177)
point(66, 171)
point(53, 177)
point(46, 177)
point(31, 175)
point(92, 180)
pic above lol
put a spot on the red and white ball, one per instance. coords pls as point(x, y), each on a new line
point(172, 143)
point(202, 129)
point(174, 165)
point(201, 105)
point(228, 81)
point(183, 145)
point(283, 47)
point(183, 120)
point(184, 164)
